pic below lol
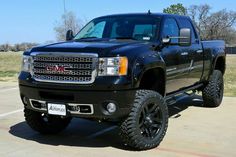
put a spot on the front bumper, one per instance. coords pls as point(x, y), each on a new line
point(99, 99)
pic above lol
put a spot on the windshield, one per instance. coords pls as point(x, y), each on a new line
point(142, 28)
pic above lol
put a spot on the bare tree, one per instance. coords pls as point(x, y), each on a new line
point(17, 47)
point(6, 47)
point(199, 15)
point(68, 21)
point(1, 48)
point(218, 25)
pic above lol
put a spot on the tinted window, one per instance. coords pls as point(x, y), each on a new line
point(144, 31)
point(135, 27)
point(171, 29)
point(139, 31)
point(93, 30)
point(185, 23)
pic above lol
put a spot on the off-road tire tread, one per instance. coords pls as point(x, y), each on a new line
point(127, 127)
point(209, 92)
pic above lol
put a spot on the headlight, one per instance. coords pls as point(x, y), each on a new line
point(115, 66)
point(26, 63)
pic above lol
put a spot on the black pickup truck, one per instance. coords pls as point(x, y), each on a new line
point(123, 69)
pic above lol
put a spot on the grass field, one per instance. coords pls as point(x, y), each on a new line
point(10, 67)
point(230, 76)
point(10, 64)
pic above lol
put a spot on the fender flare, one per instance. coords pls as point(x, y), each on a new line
point(143, 65)
point(221, 55)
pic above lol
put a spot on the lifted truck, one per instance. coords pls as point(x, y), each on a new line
point(121, 68)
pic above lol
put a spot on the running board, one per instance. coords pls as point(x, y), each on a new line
point(171, 101)
point(172, 98)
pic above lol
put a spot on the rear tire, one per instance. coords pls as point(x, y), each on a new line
point(213, 93)
point(45, 124)
point(146, 125)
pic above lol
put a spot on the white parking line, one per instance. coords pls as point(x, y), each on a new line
point(101, 132)
point(9, 89)
point(10, 113)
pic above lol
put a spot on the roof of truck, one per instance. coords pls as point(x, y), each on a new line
point(145, 14)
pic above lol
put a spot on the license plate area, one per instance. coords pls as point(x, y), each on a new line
point(56, 109)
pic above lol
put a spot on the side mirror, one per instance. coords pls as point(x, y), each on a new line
point(69, 35)
point(166, 40)
point(185, 37)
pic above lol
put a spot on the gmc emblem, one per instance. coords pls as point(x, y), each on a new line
point(56, 68)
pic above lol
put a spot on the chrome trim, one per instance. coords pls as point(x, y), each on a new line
point(191, 66)
point(171, 69)
point(184, 69)
point(67, 54)
point(184, 53)
point(199, 51)
point(67, 104)
point(42, 102)
point(78, 112)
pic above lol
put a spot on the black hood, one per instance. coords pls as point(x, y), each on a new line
point(103, 48)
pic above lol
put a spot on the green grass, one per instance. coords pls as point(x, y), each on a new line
point(10, 66)
point(230, 76)
point(8, 73)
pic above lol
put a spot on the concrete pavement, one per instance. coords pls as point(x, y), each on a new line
point(193, 131)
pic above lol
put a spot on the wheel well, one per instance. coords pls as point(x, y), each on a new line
point(154, 79)
point(220, 64)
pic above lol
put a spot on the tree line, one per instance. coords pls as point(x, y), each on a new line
point(16, 47)
point(210, 25)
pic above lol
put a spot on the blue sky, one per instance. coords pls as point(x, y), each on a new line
point(34, 20)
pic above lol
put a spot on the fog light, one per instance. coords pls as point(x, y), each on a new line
point(25, 100)
point(111, 107)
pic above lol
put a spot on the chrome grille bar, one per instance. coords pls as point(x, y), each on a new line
point(74, 68)
point(72, 72)
point(72, 65)
point(62, 59)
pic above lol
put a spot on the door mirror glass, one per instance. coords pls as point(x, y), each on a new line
point(185, 37)
point(69, 35)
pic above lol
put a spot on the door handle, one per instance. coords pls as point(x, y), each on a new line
point(184, 53)
point(199, 51)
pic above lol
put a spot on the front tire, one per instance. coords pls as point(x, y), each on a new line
point(45, 124)
point(213, 93)
point(146, 125)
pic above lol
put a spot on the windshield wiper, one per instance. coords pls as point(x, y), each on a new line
point(125, 38)
point(87, 38)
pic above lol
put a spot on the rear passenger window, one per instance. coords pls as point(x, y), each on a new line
point(171, 29)
point(185, 23)
point(144, 32)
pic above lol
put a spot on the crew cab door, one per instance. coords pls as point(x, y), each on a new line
point(195, 53)
point(176, 57)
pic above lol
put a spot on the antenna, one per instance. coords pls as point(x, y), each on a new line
point(65, 20)
point(64, 6)
point(149, 12)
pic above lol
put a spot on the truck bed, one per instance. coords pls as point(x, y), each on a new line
point(213, 45)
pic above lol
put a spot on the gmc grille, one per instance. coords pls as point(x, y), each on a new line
point(77, 68)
